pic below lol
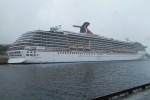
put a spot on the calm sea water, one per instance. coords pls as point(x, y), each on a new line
point(72, 81)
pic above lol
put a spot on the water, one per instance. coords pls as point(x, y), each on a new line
point(72, 81)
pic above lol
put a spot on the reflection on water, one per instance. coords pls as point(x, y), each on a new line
point(76, 81)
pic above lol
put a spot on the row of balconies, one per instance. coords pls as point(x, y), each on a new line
point(62, 39)
point(61, 43)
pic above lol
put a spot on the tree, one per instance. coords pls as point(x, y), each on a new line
point(3, 49)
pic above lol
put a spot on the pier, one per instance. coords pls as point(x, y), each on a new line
point(3, 59)
point(123, 92)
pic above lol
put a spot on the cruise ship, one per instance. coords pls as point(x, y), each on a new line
point(57, 46)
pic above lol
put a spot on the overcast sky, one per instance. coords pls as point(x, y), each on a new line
point(118, 19)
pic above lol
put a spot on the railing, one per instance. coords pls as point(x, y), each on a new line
point(123, 93)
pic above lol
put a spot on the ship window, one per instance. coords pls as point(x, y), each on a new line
point(27, 54)
point(30, 51)
point(34, 54)
point(27, 51)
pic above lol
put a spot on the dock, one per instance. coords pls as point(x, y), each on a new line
point(3, 59)
point(124, 92)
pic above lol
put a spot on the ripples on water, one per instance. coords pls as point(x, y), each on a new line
point(72, 81)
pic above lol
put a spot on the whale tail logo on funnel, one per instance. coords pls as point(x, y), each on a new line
point(84, 28)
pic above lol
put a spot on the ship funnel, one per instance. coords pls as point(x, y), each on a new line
point(84, 28)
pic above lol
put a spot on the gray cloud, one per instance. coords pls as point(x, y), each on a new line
point(117, 19)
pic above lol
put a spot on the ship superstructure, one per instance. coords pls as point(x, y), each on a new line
point(65, 46)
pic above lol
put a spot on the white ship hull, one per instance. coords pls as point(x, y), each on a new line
point(64, 46)
point(26, 56)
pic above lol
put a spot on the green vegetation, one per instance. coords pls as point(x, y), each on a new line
point(147, 55)
point(3, 49)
